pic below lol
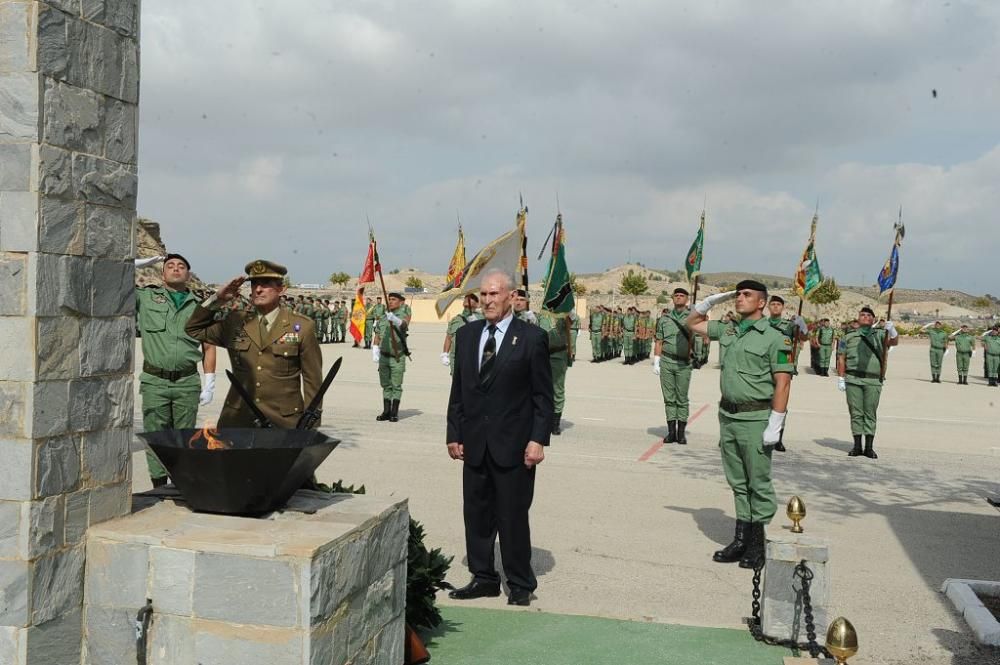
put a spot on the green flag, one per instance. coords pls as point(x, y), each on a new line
point(693, 262)
point(809, 276)
point(558, 288)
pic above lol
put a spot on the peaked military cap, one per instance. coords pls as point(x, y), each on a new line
point(261, 269)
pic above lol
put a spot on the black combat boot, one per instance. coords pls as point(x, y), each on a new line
point(754, 556)
point(681, 438)
point(394, 411)
point(386, 410)
point(870, 446)
point(556, 422)
point(733, 552)
point(671, 432)
point(856, 450)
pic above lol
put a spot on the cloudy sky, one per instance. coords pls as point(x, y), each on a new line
point(271, 129)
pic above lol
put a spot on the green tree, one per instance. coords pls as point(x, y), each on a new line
point(982, 303)
point(340, 279)
point(827, 292)
point(414, 282)
point(579, 288)
point(633, 284)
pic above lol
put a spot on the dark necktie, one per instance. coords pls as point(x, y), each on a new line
point(489, 356)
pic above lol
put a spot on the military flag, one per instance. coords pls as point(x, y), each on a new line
point(693, 262)
point(367, 276)
point(887, 276)
point(808, 275)
point(504, 253)
point(558, 296)
point(358, 314)
point(457, 265)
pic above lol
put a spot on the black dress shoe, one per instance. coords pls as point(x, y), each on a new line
point(519, 597)
point(476, 589)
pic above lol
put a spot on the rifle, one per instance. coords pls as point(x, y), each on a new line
point(311, 415)
point(259, 419)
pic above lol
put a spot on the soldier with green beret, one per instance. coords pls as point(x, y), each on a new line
point(794, 330)
point(991, 349)
point(169, 385)
point(470, 312)
point(965, 348)
point(859, 365)
point(672, 363)
point(755, 382)
point(389, 352)
point(522, 307)
point(341, 318)
point(273, 351)
point(938, 337)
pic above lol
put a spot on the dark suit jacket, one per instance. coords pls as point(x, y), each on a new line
point(514, 408)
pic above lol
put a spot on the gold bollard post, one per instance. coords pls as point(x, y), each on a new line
point(796, 512)
point(841, 640)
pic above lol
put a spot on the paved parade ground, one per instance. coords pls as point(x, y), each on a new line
point(624, 528)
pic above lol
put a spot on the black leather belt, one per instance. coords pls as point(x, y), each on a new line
point(858, 374)
point(680, 359)
point(556, 349)
point(743, 407)
point(172, 375)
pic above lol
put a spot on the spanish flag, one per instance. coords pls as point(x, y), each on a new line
point(457, 265)
point(358, 313)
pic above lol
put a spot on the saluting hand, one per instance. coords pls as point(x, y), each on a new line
point(230, 289)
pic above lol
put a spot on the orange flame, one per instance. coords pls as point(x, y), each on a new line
point(208, 434)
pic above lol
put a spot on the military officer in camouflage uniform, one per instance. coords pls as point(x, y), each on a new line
point(965, 347)
point(470, 312)
point(859, 365)
point(991, 349)
point(755, 383)
point(390, 352)
point(672, 363)
point(169, 384)
point(274, 352)
point(559, 328)
point(938, 337)
point(372, 315)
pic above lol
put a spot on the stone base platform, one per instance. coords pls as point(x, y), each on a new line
point(782, 612)
point(291, 589)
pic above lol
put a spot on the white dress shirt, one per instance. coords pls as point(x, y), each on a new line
point(498, 335)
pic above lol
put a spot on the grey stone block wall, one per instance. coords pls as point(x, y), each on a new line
point(69, 77)
point(322, 589)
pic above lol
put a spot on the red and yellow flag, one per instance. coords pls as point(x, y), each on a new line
point(456, 268)
point(358, 314)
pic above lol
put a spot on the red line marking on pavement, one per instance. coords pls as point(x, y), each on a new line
point(655, 448)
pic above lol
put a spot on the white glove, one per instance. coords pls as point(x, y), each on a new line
point(973, 353)
point(711, 301)
point(394, 320)
point(841, 385)
point(801, 323)
point(207, 390)
point(946, 352)
point(656, 365)
point(530, 316)
point(891, 329)
point(774, 424)
point(142, 263)
point(926, 326)
point(376, 354)
point(445, 359)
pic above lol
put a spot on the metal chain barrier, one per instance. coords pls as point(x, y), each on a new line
point(757, 629)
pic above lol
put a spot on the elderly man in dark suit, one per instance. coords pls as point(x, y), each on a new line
point(499, 420)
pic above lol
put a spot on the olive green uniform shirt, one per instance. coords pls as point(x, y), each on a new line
point(672, 331)
point(164, 342)
point(755, 352)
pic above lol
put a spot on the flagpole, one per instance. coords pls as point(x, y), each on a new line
point(385, 293)
point(892, 292)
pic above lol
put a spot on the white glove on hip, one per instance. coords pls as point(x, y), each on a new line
point(445, 359)
point(801, 323)
point(946, 352)
point(394, 320)
point(891, 329)
point(656, 365)
point(842, 385)
point(773, 431)
point(142, 263)
point(207, 390)
point(376, 354)
point(974, 351)
point(711, 301)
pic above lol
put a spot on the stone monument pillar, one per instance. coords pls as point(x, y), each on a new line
point(69, 87)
